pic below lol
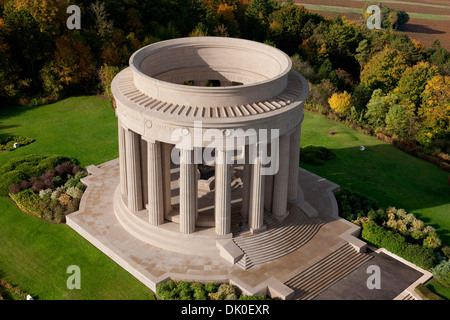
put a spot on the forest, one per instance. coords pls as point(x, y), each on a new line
point(378, 81)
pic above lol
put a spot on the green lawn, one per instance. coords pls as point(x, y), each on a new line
point(382, 172)
point(35, 254)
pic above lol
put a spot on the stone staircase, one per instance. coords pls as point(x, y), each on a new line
point(326, 272)
point(279, 239)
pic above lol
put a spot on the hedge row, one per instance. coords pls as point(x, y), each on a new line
point(8, 142)
point(24, 168)
point(184, 290)
point(397, 244)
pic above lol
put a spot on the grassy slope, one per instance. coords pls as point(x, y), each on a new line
point(382, 172)
point(35, 254)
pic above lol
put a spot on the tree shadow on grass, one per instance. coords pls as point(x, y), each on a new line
point(418, 28)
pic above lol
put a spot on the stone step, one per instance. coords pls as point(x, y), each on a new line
point(326, 272)
point(164, 238)
point(280, 238)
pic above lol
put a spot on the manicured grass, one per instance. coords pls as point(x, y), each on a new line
point(82, 127)
point(438, 289)
point(390, 176)
point(35, 254)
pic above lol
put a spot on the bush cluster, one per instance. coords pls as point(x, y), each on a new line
point(315, 155)
point(396, 230)
point(7, 143)
point(441, 273)
point(397, 244)
point(25, 168)
point(183, 290)
point(53, 195)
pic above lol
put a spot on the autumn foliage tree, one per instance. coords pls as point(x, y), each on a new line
point(435, 110)
point(412, 83)
point(72, 66)
point(384, 70)
point(341, 103)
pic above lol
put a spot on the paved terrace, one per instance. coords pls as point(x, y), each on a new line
point(319, 248)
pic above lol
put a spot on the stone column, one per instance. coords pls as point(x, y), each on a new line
point(294, 160)
point(144, 172)
point(280, 184)
point(155, 186)
point(195, 188)
point(256, 214)
point(222, 205)
point(187, 193)
point(122, 160)
point(166, 166)
point(246, 179)
point(134, 182)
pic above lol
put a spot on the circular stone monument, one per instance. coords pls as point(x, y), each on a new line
point(167, 115)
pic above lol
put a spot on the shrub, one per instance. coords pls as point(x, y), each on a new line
point(23, 168)
point(225, 292)
point(210, 287)
point(14, 188)
point(185, 294)
point(74, 192)
point(47, 183)
point(316, 155)
point(432, 241)
point(418, 224)
point(25, 184)
point(57, 193)
point(71, 182)
point(45, 193)
point(57, 181)
point(76, 169)
point(81, 186)
point(72, 206)
point(37, 186)
point(409, 218)
point(80, 175)
point(64, 199)
point(446, 251)
point(420, 256)
point(401, 213)
point(441, 273)
point(200, 294)
point(396, 243)
point(341, 103)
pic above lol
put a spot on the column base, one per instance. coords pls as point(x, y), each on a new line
point(253, 231)
point(281, 217)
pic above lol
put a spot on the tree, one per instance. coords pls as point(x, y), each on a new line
point(390, 18)
point(397, 121)
point(103, 26)
point(341, 103)
point(257, 18)
point(379, 106)
point(434, 113)
point(413, 82)
point(384, 70)
point(71, 66)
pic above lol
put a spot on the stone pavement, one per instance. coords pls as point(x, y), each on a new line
point(96, 221)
